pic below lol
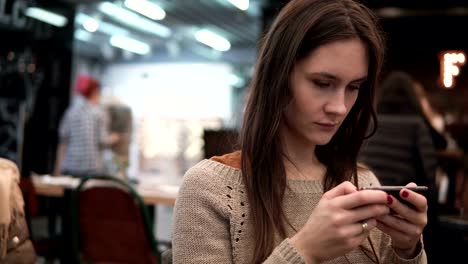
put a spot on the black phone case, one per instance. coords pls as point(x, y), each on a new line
point(396, 192)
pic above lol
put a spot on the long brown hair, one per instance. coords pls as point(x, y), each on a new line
point(300, 28)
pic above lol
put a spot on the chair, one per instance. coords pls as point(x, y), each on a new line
point(49, 248)
point(111, 223)
point(219, 142)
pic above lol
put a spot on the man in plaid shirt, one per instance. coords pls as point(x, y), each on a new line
point(83, 133)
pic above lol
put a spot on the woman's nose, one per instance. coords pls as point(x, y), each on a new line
point(336, 103)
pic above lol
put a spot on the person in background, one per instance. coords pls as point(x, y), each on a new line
point(15, 243)
point(83, 135)
point(291, 194)
point(116, 158)
point(83, 132)
point(402, 150)
point(449, 155)
point(434, 120)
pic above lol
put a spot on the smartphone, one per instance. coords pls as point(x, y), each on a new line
point(395, 191)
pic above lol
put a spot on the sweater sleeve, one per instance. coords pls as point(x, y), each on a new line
point(201, 223)
point(390, 256)
point(285, 253)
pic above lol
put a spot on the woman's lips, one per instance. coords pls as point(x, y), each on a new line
point(328, 126)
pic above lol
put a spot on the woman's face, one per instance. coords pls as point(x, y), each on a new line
point(324, 85)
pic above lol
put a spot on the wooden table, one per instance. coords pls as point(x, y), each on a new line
point(152, 194)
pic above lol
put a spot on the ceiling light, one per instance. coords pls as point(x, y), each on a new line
point(130, 44)
point(241, 4)
point(213, 40)
point(235, 80)
point(390, 12)
point(104, 27)
point(134, 20)
point(91, 24)
point(111, 29)
point(46, 16)
point(146, 8)
point(82, 35)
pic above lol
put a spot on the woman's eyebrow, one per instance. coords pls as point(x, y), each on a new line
point(333, 77)
point(362, 79)
point(324, 74)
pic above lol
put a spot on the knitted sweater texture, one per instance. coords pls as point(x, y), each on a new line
point(212, 222)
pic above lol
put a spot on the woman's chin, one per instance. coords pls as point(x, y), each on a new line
point(321, 141)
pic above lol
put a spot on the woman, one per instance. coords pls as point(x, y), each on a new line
point(290, 195)
point(15, 243)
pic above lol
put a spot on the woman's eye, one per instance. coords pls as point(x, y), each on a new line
point(354, 87)
point(322, 84)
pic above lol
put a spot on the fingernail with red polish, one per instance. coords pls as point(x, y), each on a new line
point(389, 199)
point(404, 194)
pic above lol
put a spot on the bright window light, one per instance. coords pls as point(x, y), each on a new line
point(213, 40)
point(241, 4)
point(134, 20)
point(46, 16)
point(146, 8)
point(130, 44)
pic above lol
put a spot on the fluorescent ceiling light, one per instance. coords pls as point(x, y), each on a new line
point(213, 40)
point(46, 16)
point(112, 29)
point(235, 80)
point(146, 8)
point(241, 4)
point(134, 20)
point(82, 35)
point(130, 44)
point(91, 24)
point(104, 27)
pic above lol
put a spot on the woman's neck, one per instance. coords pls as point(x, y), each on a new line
point(300, 161)
point(301, 169)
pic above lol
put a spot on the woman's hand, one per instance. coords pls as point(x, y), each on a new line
point(406, 226)
point(335, 226)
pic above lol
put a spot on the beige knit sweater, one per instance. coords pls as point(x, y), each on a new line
point(212, 223)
